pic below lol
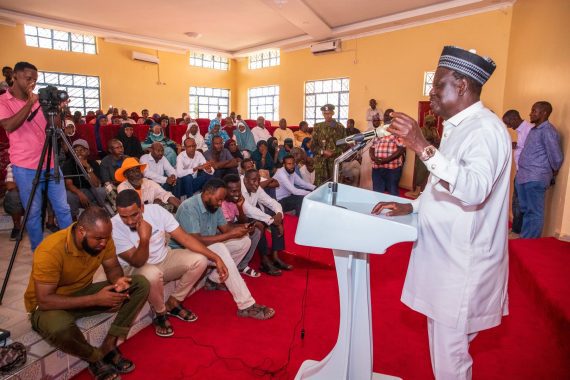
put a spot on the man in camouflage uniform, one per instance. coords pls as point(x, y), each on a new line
point(325, 135)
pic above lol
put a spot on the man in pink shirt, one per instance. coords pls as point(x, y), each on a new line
point(25, 123)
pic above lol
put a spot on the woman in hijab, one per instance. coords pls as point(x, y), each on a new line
point(231, 145)
point(272, 147)
point(306, 146)
point(215, 130)
point(131, 143)
point(244, 137)
point(155, 134)
point(100, 122)
point(262, 158)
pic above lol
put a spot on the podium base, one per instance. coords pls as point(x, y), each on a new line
point(311, 363)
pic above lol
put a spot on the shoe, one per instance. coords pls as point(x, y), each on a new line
point(268, 267)
point(52, 227)
point(257, 311)
point(14, 234)
point(281, 264)
point(513, 235)
point(248, 271)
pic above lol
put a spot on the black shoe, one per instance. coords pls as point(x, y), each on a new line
point(282, 265)
point(14, 234)
point(52, 227)
point(211, 285)
point(270, 269)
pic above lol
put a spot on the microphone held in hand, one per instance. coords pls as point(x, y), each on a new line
point(365, 136)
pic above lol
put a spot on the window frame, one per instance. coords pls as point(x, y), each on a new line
point(263, 59)
point(71, 89)
point(200, 60)
point(312, 107)
point(54, 39)
point(210, 94)
point(274, 104)
point(428, 82)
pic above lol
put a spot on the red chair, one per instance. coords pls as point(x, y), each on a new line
point(141, 131)
point(88, 118)
point(176, 132)
point(251, 123)
point(107, 132)
point(203, 125)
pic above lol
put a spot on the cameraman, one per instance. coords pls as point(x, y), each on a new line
point(25, 124)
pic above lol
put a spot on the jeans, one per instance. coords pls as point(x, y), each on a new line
point(96, 196)
point(531, 200)
point(56, 194)
point(386, 180)
point(188, 185)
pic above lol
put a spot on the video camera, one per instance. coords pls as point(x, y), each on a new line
point(50, 98)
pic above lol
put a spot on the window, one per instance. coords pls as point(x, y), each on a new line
point(206, 102)
point(264, 101)
point(428, 82)
point(264, 59)
point(84, 91)
point(58, 40)
point(209, 61)
point(329, 91)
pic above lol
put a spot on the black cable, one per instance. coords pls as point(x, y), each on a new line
point(261, 369)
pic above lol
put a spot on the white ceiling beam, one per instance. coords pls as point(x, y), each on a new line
point(299, 14)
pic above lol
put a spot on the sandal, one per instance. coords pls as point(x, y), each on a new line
point(248, 271)
point(257, 311)
point(160, 322)
point(183, 314)
point(281, 264)
point(211, 285)
point(103, 371)
point(270, 269)
point(117, 360)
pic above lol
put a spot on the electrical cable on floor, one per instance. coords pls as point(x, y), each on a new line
point(261, 369)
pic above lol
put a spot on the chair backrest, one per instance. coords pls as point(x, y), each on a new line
point(176, 132)
point(141, 131)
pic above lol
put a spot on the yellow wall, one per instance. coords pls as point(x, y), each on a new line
point(124, 83)
point(389, 67)
point(538, 69)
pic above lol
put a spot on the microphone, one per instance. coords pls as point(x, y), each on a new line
point(365, 136)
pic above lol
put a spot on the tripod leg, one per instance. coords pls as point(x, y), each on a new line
point(29, 202)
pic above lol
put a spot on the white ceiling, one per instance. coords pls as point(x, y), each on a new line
point(234, 27)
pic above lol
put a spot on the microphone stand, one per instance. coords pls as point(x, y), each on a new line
point(339, 160)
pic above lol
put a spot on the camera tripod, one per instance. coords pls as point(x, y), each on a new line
point(49, 149)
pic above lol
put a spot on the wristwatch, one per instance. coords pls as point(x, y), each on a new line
point(427, 153)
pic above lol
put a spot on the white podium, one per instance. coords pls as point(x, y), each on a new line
point(353, 233)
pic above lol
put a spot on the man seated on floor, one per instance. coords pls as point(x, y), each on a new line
point(130, 175)
point(61, 290)
point(268, 212)
point(221, 159)
point(234, 207)
point(307, 171)
point(292, 188)
point(82, 192)
point(192, 169)
point(159, 169)
point(202, 217)
point(139, 233)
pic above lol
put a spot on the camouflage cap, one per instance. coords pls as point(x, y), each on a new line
point(327, 107)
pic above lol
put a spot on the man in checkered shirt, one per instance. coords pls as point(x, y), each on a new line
point(387, 160)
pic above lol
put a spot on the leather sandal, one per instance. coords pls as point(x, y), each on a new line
point(103, 371)
point(117, 360)
point(177, 312)
point(160, 322)
point(270, 269)
point(257, 311)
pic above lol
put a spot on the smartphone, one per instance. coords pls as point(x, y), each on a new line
point(250, 225)
point(129, 290)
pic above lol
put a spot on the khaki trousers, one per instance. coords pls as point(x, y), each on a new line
point(179, 264)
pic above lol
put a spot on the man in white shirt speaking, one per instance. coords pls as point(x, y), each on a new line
point(458, 270)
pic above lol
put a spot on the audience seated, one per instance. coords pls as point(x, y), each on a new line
point(285, 150)
point(109, 165)
point(306, 146)
point(139, 233)
point(307, 171)
point(234, 207)
point(260, 133)
point(125, 118)
point(266, 182)
point(214, 130)
point(268, 213)
point(202, 217)
point(220, 158)
point(193, 132)
point(131, 144)
point(350, 172)
point(232, 147)
point(192, 169)
point(156, 134)
point(292, 188)
point(350, 128)
point(244, 138)
point(61, 290)
point(262, 158)
point(82, 192)
point(130, 175)
point(302, 133)
point(159, 169)
point(283, 133)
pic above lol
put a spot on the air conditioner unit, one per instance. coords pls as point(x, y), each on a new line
point(325, 47)
point(145, 57)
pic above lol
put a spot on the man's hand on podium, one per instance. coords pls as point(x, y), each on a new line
point(395, 209)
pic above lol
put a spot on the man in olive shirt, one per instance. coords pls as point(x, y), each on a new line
point(61, 290)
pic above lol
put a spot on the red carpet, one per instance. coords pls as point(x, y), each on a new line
point(222, 346)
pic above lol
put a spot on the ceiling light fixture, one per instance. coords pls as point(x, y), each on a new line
point(193, 34)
